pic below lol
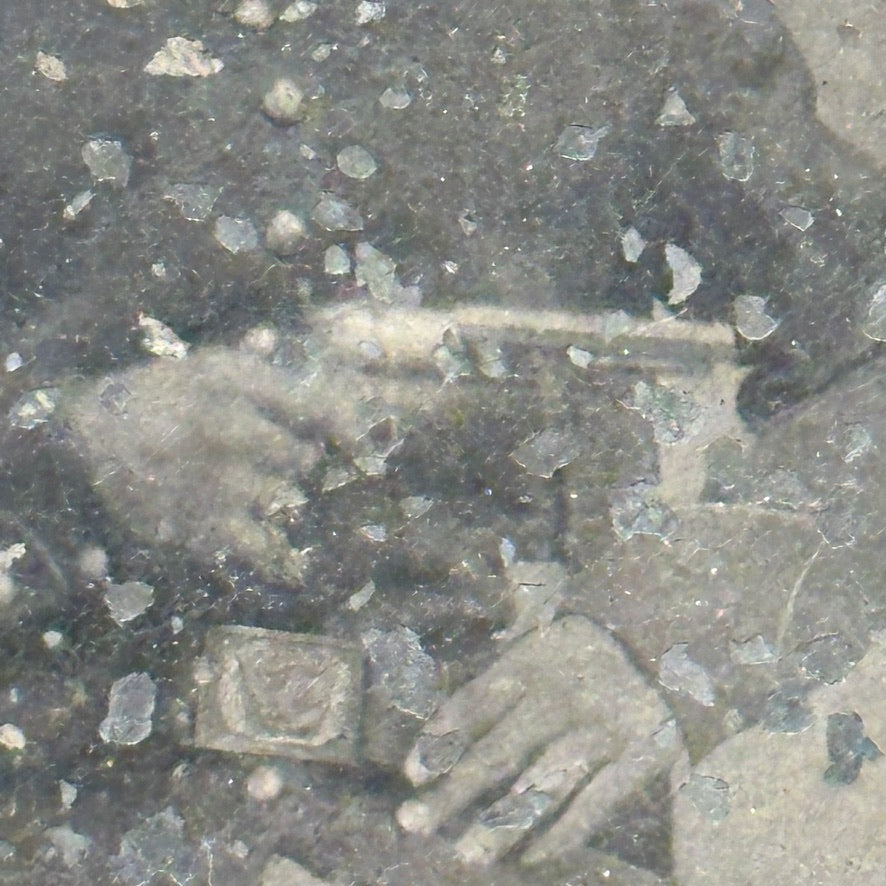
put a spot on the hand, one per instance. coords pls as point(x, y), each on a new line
point(207, 452)
point(563, 723)
point(198, 452)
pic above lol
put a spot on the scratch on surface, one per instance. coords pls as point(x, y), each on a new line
point(788, 613)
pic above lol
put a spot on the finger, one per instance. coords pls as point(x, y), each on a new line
point(223, 434)
point(495, 759)
point(223, 524)
point(561, 668)
point(229, 381)
point(348, 402)
point(469, 714)
point(270, 548)
point(536, 795)
point(592, 807)
point(331, 397)
point(196, 412)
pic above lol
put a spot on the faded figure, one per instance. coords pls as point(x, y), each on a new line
point(795, 796)
point(641, 608)
point(711, 596)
